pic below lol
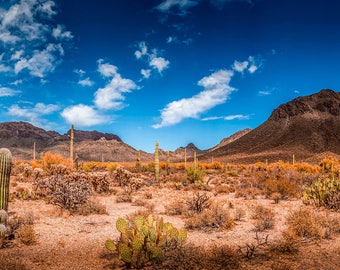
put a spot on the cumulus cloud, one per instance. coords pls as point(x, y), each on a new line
point(41, 62)
point(217, 90)
point(155, 61)
point(83, 116)
point(109, 97)
point(86, 82)
point(27, 27)
point(146, 73)
point(8, 92)
point(159, 63)
point(180, 6)
point(112, 95)
point(33, 114)
point(59, 33)
point(251, 65)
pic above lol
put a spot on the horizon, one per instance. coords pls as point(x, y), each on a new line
point(175, 71)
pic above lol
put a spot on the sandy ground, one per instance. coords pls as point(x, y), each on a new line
point(77, 242)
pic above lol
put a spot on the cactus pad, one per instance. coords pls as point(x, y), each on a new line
point(121, 225)
point(110, 245)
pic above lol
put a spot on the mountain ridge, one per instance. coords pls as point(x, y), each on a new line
point(306, 126)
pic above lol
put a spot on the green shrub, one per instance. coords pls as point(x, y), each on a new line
point(195, 175)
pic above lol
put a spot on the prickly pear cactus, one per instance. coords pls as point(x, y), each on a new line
point(143, 242)
point(323, 192)
point(5, 171)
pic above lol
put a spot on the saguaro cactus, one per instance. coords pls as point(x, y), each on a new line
point(71, 142)
point(168, 162)
point(156, 163)
point(5, 171)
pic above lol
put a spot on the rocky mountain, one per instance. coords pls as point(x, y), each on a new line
point(305, 126)
point(230, 139)
point(19, 137)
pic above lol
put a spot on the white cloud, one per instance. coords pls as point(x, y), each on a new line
point(27, 27)
point(4, 68)
point(264, 93)
point(236, 116)
point(217, 90)
point(41, 62)
point(8, 92)
point(17, 55)
point(86, 82)
point(146, 73)
point(83, 115)
point(153, 59)
point(107, 70)
point(228, 118)
point(59, 33)
point(159, 63)
point(251, 65)
point(111, 96)
point(143, 50)
point(34, 114)
point(181, 5)
point(240, 66)
point(79, 72)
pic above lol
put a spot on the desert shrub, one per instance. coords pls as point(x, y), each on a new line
point(176, 207)
point(323, 192)
point(330, 166)
point(224, 189)
point(91, 207)
point(48, 159)
point(285, 187)
point(215, 217)
point(197, 257)
point(264, 218)
point(198, 202)
point(145, 241)
point(126, 179)
point(251, 248)
point(20, 227)
point(195, 175)
point(224, 257)
point(303, 222)
point(66, 191)
point(289, 242)
point(27, 234)
point(247, 193)
point(123, 198)
point(239, 213)
point(99, 181)
point(111, 166)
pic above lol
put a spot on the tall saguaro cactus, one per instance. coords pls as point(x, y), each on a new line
point(5, 171)
point(71, 143)
point(156, 163)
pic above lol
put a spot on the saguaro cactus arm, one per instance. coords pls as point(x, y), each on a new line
point(5, 171)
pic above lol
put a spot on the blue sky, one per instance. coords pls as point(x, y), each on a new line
point(176, 71)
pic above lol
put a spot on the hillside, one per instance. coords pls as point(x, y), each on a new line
point(305, 126)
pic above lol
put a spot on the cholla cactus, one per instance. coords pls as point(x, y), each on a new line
point(144, 241)
point(5, 171)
